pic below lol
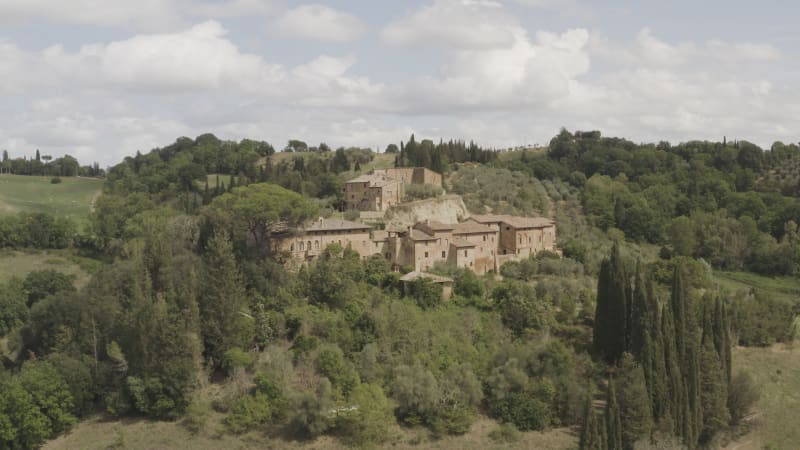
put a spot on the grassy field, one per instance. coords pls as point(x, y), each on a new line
point(776, 370)
point(18, 264)
point(72, 197)
point(141, 434)
point(786, 288)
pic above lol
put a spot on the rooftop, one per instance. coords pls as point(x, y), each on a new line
point(335, 225)
point(514, 221)
point(463, 243)
point(419, 235)
point(472, 228)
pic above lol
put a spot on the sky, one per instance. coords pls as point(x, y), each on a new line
point(102, 79)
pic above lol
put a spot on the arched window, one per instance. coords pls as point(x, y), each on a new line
point(308, 245)
point(301, 246)
point(316, 245)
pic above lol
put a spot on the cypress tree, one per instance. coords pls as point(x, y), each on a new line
point(602, 315)
point(590, 439)
point(674, 378)
point(713, 393)
point(678, 306)
point(640, 316)
point(634, 402)
point(223, 301)
point(611, 317)
point(613, 419)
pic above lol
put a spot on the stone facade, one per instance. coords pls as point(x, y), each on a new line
point(380, 189)
point(481, 244)
point(521, 236)
point(373, 192)
point(411, 175)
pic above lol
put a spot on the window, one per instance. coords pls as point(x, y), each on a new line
point(484, 238)
point(443, 255)
point(465, 253)
point(308, 245)
point(301, 246)
point(316, 245)
point(426, 254)
point(291, 247)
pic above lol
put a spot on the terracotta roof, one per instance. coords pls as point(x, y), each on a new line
point(438, 226)
point(514, 221)
point(373, 180)
point(411, 276)
point(419, 235)
point(462, 243)
point(335, 225)
point(472, 228)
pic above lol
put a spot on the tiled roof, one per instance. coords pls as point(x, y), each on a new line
point(373, 180)
point(411, 276)
point(514, 221)
point(462, 243)
point(472, 228)
point(419, 235)
point(335, 225)
point(438, 226)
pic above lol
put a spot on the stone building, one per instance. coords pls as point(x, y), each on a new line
point(380, 189)
point(520, 237)
point(481, 244)
point(373, 192)
point(308, 243)
point(412, 175)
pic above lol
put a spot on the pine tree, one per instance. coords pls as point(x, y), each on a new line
point(613, 419)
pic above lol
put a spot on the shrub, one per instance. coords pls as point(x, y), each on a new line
point(422, 191)
point(742, 395)
point(506, 433)
point(196, 417)
point(237, 358)
point(55, 180)
point(249, 412)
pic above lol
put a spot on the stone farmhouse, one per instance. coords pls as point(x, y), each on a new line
point(380, 189)
point(481, 243)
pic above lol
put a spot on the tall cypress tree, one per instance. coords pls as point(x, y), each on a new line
point(674, 377)
point(591, 438)
point(678, 305)
point(611, 314)
point(713, 393)
point(634, 402)
point(613, 419)
point(223, 302)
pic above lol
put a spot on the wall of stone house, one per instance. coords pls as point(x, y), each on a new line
point(422, 175)
point(508, 239)
point(464, 256)
point(434, 250)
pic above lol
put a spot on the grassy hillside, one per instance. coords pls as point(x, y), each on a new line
point(18, 264)
point(71, 198)
point(785, 288)
point(776, 371)
point(142, 434)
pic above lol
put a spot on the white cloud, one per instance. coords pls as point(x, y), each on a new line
point(143, 15)
point(140, 14)
point(462, 24)
point(321, 23)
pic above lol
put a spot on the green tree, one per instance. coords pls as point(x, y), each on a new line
point(225, 321)
point(613, 419)
point(255, 210)
point(634, 402)
point(367, 417)
point(611, 325)
point(50, 394)
point(22, 423)
point(590, 438)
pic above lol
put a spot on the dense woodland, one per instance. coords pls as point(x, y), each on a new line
point(630, 347)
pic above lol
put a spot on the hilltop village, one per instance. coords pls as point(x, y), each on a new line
point(481, 243)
